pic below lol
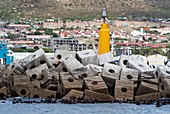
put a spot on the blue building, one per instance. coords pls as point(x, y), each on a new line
point(6, 56)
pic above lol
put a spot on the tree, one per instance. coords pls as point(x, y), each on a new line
point(49, 31)
point(37, 33)
point(55, 35)
point(168, 46)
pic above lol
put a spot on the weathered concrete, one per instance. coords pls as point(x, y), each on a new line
point(35, 72)
point(96, 70)
point(141, 66)
point(17, 79)
point(36, 59)
point(61, 55)
point(96, 83)
point(124, 90)
point(73, 95)
point(4, 92)
point(163, 71)
point(129, 74)
point(68, 82)
point(87, 57)
point(146, 87)
point(95, 96)
point(164, 87)
point(148, 97)
point(111, 73)
point(42, 93)
point(106, 58)
point(72, 64)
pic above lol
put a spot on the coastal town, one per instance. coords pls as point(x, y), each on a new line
point(54, 34)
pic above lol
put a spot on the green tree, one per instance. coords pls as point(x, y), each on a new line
point(168, 46)
point(37, 33)
point(55, 35)
point(49, 31)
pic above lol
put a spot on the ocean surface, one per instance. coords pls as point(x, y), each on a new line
point(103, 108)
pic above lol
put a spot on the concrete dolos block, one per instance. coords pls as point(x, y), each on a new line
point(96, 83)
point(129, 74)
point(111, 73)
point(124, 90)
point(106, 58)
point(87, 57)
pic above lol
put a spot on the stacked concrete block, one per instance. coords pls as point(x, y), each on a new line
point(129, 74)
point(163, 71)
point(164, 87)
point(14, 69)
point(83, 73)
point(68, 82)
point(18, 79)
point(98, 97)
point(168, 64)
point(72, 64)
point(151, 81)
point(146, 87)
point(87, 57)
point(61, 68)
point(36, 59)
point(148, 97)
point(22, 90)
point(4, 92)
point(44, 76)
point(106, 58)
point(42, 93)
point(96, 70)
point(124, 90)
point(34, 84)
point(111, 73)
point(96, 83)
point(141, 66)
point(35, 77)
point(123, 60)
point(61, 55)
point(144, 76)
point(73, 95)
point(35, 72)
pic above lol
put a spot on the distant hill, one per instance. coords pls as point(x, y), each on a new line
point(82, 8)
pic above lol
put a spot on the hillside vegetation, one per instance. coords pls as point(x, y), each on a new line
point(82, 8)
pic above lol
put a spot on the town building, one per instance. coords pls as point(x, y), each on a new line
point(65, 44)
